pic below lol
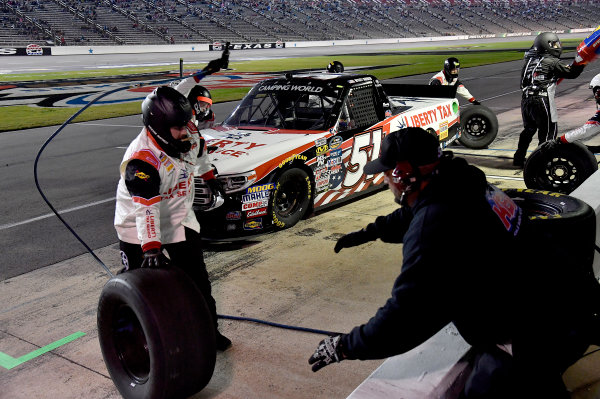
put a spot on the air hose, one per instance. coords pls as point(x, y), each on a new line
point(35, 175)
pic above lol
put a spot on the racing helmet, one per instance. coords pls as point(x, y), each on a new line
point(548, 42)
point(595, 86)
point(162, 109)
point(451, 64)
point(201, 101)
point(335, 67)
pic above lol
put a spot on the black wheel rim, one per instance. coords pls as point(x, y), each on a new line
point(561, 174)
point(289, 197)
point(477, 127)
point(131, 344)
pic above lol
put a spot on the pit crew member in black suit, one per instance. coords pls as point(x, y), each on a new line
point(488, 289)
point(539, 76)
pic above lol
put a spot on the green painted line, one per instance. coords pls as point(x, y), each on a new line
point(9, 362)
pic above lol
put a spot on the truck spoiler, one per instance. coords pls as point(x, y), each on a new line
point(406, 90)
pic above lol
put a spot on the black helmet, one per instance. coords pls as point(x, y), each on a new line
point(163, 109)
point(335, 67)
point(199, 97)
point(548, 42)
point(449, 65)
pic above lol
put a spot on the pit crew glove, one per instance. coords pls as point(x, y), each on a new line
point(155, 258)
point(218, 64)
point(353, 239)
point(216, 187)
point(328, 351)
point(475, 102)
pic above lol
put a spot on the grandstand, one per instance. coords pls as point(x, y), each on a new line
point(142, 22)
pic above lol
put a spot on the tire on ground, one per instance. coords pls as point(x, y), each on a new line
point(156, 334)
point(479, 126)
point(561, 229)
point(291, 197)
point(561, 168)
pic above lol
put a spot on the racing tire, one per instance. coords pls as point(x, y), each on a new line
point(479, 126)
point(291, 198)
point(156, 334)
point(559, 167)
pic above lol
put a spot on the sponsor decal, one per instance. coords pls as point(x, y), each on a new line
point(336, 175)
point(428, 117)
point(335, 142)
point(141, 175)
point(300, 88)
point(165, 160)
point(291, 158)
point(256, 212)
point(388, 113)
point(34, 49)
point(254, 224)
point(322, 149)
point(255, 204)
point(217, 46)
point(443, 130)
point(233, 215)
point(321, 161)
point(8, 51)
point(320, 142)
point(262, 187)
point(455, 107)
point(232, 148)
point(336, 153)
point(334, 161)
point(257, 196)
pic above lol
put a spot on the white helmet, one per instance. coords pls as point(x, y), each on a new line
point(595, 86)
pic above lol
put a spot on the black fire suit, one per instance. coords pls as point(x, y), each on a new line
point(464, 262)
point(539, 77)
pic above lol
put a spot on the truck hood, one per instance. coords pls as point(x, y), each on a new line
point(237, 150)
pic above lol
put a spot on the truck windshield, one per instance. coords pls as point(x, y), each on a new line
point(283, 107)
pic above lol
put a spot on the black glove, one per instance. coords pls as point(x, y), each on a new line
point(475, 102)
point(155, 258)
point(218, 64)
point(551, 144)
point(352, 240)
point(328, 351)
point(216, 187)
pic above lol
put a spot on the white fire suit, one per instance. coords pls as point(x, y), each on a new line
point(588, 130)
point(156, 191)
point(460, 88)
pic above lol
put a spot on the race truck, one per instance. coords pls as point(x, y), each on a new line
point(299, 143)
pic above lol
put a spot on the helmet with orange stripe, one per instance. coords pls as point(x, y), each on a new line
point(201, 101)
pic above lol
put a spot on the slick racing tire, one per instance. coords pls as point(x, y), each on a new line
point(291, 197)
point(156, 334)
point(479, 126)
point(559, 167)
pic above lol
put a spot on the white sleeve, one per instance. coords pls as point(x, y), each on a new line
point(186, 85)
point(588, 130)
point(463, 92)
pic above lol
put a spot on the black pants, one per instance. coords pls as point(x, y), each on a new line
point(535, 111)
point(187, 255)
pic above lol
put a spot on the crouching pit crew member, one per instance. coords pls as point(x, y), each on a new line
point(155, 195)
point(488, 290)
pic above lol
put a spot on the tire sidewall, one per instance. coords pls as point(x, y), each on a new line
point(534, 171)
point(177, 325)
point(484, 112)
point(282, 222)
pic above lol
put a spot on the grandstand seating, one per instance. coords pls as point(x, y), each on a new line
point(115, 22)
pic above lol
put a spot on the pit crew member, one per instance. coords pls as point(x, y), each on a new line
point(485, 289)
point(541, 71)
point(449, 77)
